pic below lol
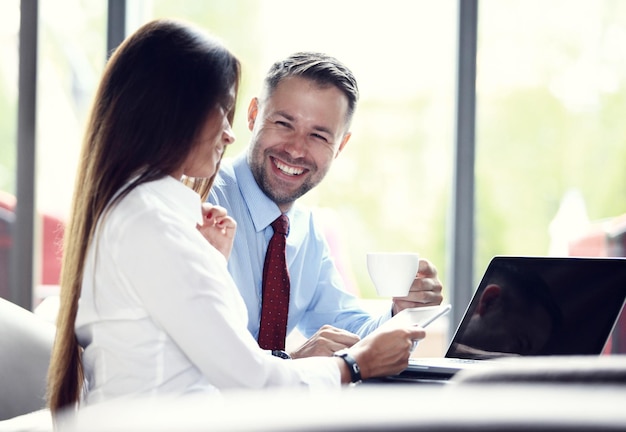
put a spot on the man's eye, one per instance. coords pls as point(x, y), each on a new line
point(282, 123)
point(320, 137)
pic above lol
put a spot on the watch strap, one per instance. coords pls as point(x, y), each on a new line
point(282, 354)
point(355, 370)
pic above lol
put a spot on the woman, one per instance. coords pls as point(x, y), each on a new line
point(147, 303)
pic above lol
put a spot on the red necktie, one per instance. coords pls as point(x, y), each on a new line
point(275, 303)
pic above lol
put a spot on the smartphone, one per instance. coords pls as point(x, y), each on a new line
point(421, 316)
point(441, 311)
point(424, 316)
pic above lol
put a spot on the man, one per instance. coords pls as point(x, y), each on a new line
point(300, 123)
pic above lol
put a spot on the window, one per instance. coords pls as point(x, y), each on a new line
point(550, 130)
point(71, 55)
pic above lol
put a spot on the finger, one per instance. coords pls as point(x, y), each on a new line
point(335, 346)
point(426, 284)
point(219, 211)
point(339, 336)
point(416, 333)
point(428, 298)
point(226, 222)
point(422, 291)
point(402, 304)
point(206, 207)
point(215, 215)
point(414, 342)
point(419, 300)
point(426, 268)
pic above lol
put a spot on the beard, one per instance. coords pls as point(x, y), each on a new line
point(271, 186)
point(279, 197)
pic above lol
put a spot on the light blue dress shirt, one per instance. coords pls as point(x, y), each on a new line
point(317, 294)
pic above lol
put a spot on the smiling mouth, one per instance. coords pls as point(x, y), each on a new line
point(286, 169)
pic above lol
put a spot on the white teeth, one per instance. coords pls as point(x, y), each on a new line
point(288, 170)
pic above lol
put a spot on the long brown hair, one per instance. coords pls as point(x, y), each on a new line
point(157, 89)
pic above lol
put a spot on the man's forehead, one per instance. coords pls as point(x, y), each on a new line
point(288, 84)
point(296, 90)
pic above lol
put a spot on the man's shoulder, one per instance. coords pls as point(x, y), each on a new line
point(226, 174)
point(225, 182)
point(307, 222)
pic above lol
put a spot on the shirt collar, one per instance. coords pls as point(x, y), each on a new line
point(263, 211)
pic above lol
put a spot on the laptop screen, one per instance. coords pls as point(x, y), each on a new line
point(542, 306)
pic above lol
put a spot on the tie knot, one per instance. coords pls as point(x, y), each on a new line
point(281, 224)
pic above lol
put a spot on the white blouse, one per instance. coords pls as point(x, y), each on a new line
point(159, 312)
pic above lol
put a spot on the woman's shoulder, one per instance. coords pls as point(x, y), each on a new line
point(154, 207)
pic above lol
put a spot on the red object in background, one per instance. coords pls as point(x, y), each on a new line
point(591, 243)
point(53, 229)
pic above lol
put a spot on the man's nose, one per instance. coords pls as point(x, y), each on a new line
point(296, 145)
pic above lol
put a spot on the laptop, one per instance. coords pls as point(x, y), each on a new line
point(533, 306)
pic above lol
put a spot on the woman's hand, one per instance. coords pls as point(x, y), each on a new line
point(218, 228)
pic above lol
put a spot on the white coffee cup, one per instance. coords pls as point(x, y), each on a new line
point(392, 272)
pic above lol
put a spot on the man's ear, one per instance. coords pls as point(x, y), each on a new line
point(488, 298)
point(253, 110)
point(344, 141)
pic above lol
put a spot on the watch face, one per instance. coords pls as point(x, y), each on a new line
point(282, 354)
